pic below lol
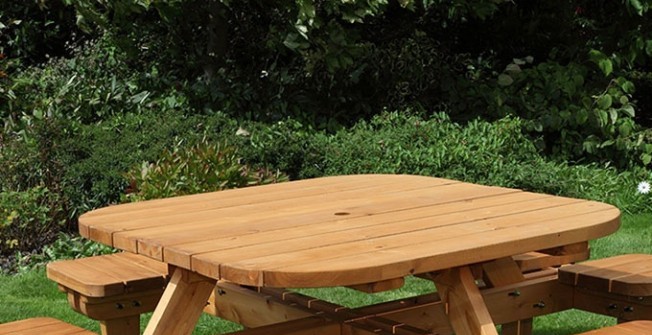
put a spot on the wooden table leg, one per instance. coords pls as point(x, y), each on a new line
point(181, 304)
point(465, 306)
point(121, 326)
point(503, 272)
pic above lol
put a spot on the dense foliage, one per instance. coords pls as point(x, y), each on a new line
point(95, 97)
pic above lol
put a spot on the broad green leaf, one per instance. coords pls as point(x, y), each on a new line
point(648, 47)
point(604, 101)
point(302, 29)
point(613, 115)
point(603, 62)
point(628, 87)
point(629, 110)
point(623, 100)
point(505, 80)
point(606, 66)
point(646, 158)
point(513, 68)
point(603, 117)
point(581, 116)
point(625, 129)
point(519, 61)
point(638, 7)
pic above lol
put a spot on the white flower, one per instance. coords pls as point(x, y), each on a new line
point(643, 187)
point(264, 74)
point(242, 132)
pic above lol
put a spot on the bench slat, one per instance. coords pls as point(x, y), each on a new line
point(41, 326)
point(108, 275)
point(627, 328)
point(629, 275)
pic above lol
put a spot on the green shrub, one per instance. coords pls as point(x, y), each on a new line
point(492, 153)
point(28, 219)
point(397, 143)
point(203, 167)
point(284, 145)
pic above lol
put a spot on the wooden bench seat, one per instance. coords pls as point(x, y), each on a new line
point(41, 326)
point(627, 328)
point(113, 289)
point(619, 286)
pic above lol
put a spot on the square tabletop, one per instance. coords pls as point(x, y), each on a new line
point(345, 230)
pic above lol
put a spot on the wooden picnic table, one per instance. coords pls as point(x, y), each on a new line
point(344, 231)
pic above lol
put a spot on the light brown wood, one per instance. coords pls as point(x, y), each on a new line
point(520, 327)
point(181, 304)
point(501, 272)
point(385, 285)
point(426, 312)
point(309, 326)
point(554, 257)
point(115, 306)
point(345, 231)
point(623, 308)
point(628, 328)
point(41, 326)
point(305, 215)
point(108, 275)
point(249, 308)
point(122, 326)
point(629, 275)
point(465, 307)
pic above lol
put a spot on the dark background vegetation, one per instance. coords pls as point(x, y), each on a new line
point(104, 102)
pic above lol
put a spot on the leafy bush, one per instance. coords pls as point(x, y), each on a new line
point(33, 31)
point(99, 154)
point(396, 143)
point(284, 145)
point(203, 167)
point(492, 153)
point(28, 219)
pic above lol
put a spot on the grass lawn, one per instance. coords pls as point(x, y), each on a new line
point(32, 294)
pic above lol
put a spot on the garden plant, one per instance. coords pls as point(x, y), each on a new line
point(103, 102)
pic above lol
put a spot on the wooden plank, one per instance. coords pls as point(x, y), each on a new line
point(624, 274)
point(148, 236)
point(638, 285)
point(308, 326)
point(466, 309)
point(367, 215)
point(501, 272)
point(115, 306)
point(324, 184)
point(570, 274)
point(157, 207)
point(425, 312)
point(381, 286)
point(107, 275)
point(613, 305)
point(249, 308)
point(520, 327)
point(122, 326)
point(629, 328)
point(41, 326)
point(181, 304)
point(101, 228)
point(314, 244)
point(420, 251)
point(528, 299)
point(530, 261)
